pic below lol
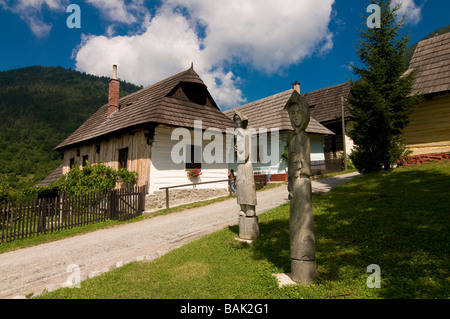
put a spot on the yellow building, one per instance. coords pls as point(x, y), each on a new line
point(428, 134)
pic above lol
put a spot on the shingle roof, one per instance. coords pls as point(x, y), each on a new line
point(326, 103)
point(270, 113)
point(432, 58)
point(151, 105)
point(52, 177)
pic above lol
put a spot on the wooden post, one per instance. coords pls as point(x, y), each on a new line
point(113, 204)
point(42, 213)
point(13, 221)
point(110, 201)
point(64, 210)
point(167, 198)
point(3, 221)
point(23, 216)
point(8, 219)
point(143, 193)
point(140, 199)
point(343, 133)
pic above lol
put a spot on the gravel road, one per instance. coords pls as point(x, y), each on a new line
point(45, 267)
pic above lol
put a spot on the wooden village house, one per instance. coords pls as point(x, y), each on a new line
point(329, 106)
point(269, 113)
point(428, 134)
point(134, 132)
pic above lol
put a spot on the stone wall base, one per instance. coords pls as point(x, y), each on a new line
point(177, 197)
point(424, 158)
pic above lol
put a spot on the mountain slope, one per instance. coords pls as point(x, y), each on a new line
point(39, 107)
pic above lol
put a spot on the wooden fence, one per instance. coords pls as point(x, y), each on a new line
point(327, 166)
point(193, 184)
point(261, 180)
point(51, 213)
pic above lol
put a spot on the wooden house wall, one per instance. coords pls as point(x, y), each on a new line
point(429, 130)
point(279, 167)
point(164, 172)
point(334, 146)
point(138, 154)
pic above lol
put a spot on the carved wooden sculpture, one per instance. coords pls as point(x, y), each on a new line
point(303, 257)
point(245, 183)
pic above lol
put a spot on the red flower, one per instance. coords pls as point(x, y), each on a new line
point(194, 173)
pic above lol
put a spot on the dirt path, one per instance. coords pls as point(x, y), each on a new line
point(45, 267)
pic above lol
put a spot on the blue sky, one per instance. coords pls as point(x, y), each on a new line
point(244, 50)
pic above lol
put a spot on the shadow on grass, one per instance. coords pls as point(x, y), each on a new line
point(273, 243)
point(397, 220)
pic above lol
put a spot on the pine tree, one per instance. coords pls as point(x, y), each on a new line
point(382, 101)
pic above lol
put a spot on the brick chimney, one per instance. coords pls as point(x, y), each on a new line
point(113, 97)
point(296, 86)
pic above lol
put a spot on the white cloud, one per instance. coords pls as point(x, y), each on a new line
point(133, 11)
point(167, 46)
point(223, 87)
point(349, 66)
point(409, 10)
point(119, 11)
point(265, 35)
point(31, 12)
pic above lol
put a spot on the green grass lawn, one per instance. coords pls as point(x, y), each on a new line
point(397, 220)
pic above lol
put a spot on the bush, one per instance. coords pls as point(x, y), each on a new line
point(364, 160)
point(97, 178)
point(285, 155)
point(399, 150)
point(4, 195)
point(349, 162)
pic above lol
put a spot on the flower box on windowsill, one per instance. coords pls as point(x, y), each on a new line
point(193, 174)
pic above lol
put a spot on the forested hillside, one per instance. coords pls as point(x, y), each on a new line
point(39, 108)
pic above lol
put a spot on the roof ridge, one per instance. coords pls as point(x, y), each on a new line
point(327, 88)
point(285, 92)
point(433, 39)
point(265, 99)
point(180, 74)
point(430, 58)
point(147, 106)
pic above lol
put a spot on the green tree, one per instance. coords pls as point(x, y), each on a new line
point(382, 101)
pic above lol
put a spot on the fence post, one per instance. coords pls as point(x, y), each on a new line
point(42, 213)
point(139, 199)
point(144, 196)
point(4, 212)
point(167, 198)
point(113, 204)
